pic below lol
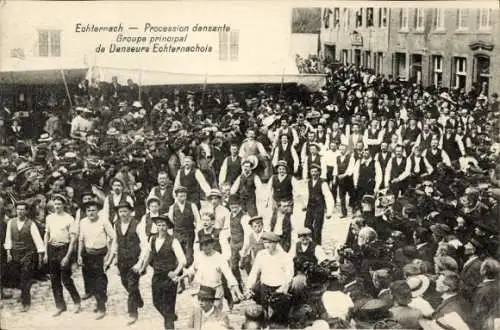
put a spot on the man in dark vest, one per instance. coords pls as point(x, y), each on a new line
point(281, 224)
point(367, 176)
point(343, 175)
point(425, 137)
point(130, 243)
point(383, 158)
point(231, 167)
point(398, 169)
point(450, 144)
point(22, 242)
point(313, 158)
point(115, 197)
point(306, 248)
point(167, 259)
point(373, 137)
point(237, 222)
point(435, 155)
point(185, 216)
point(420, 167)
point(282, 185)
point(286, 152)
point(163, 191)
point(193, 180)
point(287, 130)
point(319, 200)
point(146, 225)
point(410, 135)
point(247, 184)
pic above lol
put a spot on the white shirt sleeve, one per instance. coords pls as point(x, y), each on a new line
point(223, 172)
point(202, 181)
point(328, 198)
point(320, 254)
point(37, 239)
point(8, 236)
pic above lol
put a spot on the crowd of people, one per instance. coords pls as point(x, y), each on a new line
point(171, 180)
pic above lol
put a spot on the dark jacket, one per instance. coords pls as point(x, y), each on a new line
point(485, 305)
point(454, 304)
point(470, 277)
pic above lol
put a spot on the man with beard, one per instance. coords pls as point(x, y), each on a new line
point(252, 147)
point(420, 167)
point(373, 137)
point(61, 234)
point(246, 186)
point(398, 169)
point(435, 155)
point(449, 143)
point(116, 196)
point(383, 158)
point(164, 192)
point(22, 242)
point(367, 175)
point(343, 174)
point(470, 275)
point(319, 200)
point(193, 180)
point(129, 245)
point(285, 129)
point(425, 137)
point(231, 166)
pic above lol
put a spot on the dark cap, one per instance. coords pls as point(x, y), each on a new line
point(124, 204)
point(92, 203)
point(206, 293)
point(234, 200)
point(207, 239)
point(163, 218)
point(180, 189)
point(257, 218)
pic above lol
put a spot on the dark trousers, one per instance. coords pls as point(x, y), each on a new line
point(364, 188)
point(130, 281)
point(262, 293)
point(25, 264)
point(250, 206)
point(98, 280)
point(315, 216)
point(235, 262)
point(60, 276)
point(86, 279)
point(345, 187)
point(186, 239)
point(398, 188)
point(164, 297)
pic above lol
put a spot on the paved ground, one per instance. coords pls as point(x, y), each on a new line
point(39, 317)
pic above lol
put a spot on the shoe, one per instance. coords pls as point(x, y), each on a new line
point(6, 296)
point(131, 320)
point(87, 296)
point(78, 308)
point(25, 309)
point(59, 312)
point(100, 315)
point(140, 304)
point(95, 310)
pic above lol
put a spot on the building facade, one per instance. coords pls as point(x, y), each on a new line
point(450, 47)
point(357, 35)
point(454, 48)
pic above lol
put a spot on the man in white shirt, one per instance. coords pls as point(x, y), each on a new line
point(222, 214)
point(22, 242)
point(342, 173)
point(130, 245)
point(96, 233)
point(367, 175)
point(319, 203)
point(398, 169)
point(61, 235)
point(274, 269)
point(115, 197)
point(285, 151)
point(282, 185)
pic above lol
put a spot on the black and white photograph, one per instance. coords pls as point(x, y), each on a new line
point(249, 165)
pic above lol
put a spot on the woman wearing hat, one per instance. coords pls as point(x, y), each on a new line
point(167, 259)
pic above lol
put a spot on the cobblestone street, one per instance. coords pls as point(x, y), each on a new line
point(40, 314)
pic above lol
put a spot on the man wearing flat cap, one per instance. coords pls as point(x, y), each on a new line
point(163, 191)
point(129, 247)
point(274, 267)
point(205, 314)
point(306, 248)
point(313, 158)
point(95, 234)
point(61, 236)
point(319, 203)
point(22, 242)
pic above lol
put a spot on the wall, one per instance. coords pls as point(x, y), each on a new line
point(305, 44)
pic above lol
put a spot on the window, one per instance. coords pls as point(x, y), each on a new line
point(359, 17)
point(403, 18)
point(336, 17)
point(485, 18)
point(382, 17)
point(439, 19)
point(416, 68)
point(400, 65)
point(462, 17)
point(347, 18)
point(378, 62)
point(437, 70)
point(229, 45)
point(357, 57)
point(345, 56)
point(368, 59)
point(49, 43)
point(419, 19)
point(460, 71)
point(482, 66)
point(369, 17)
